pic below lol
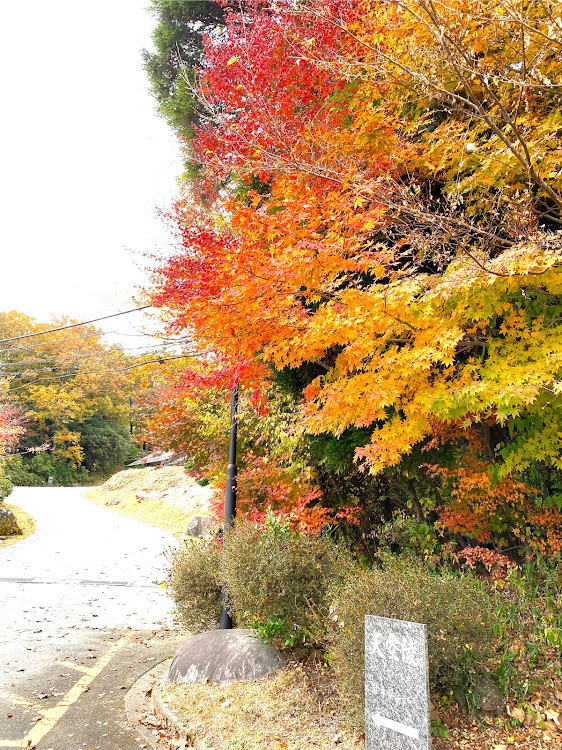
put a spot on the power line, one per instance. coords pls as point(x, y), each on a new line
point(59, 361)
point(73, 325)
point(160, 361)
point(97, 334)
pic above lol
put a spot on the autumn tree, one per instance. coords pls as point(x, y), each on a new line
point(386, 185)
point(187, 409)
point(73, 390)
point(11, 427)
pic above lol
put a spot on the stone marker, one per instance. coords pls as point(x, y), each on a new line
point(396, 685)
point(222, 656)
point(50, 481)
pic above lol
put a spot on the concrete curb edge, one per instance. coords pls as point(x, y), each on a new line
point(137, 702)
point(172, 721)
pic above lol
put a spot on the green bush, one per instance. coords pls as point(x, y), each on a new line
point(35, 470)
point(300, 590)
point(277, 580)
point(194, 584)
point(18, 473)
point(6, 485)
point(529, 611)
point(457, 611)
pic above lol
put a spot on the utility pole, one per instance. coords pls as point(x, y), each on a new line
point(230, 493)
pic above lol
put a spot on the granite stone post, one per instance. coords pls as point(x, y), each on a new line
point(396, 685)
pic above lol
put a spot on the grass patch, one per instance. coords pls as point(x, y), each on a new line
point(294, 709)
point(173, 497)
point(25, 522)
point(153, 511)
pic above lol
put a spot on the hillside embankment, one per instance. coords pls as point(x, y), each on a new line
point(164, 497)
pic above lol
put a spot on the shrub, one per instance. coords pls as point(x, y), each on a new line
point(456, 609)
point(194, 584)
point(8, 523)
point(529, 613)
point(18, 474)
point(35, 471)
point(6, 485)
point(277, 579)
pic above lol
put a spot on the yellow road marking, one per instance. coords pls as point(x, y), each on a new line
point(52, 715)
point(21, 701)
point(78, 667)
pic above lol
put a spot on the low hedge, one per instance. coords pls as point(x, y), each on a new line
point(299, 590)
point(277, 580)
point(193, 581)
point(458, 612)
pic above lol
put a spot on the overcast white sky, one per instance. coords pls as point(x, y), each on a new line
point(85, 160)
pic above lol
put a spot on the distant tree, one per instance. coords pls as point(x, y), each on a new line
point(106, 444)
point(10, 429)
point(74, 392)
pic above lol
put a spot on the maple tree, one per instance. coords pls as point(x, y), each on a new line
point(382, 189)
point(11, 427)
point(187, 409)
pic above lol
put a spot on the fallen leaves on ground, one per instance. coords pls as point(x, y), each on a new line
point(298, 709)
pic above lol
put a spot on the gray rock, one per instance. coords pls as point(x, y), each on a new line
point(200, 525)
point(223, 656)
point(142, 496)
point(113, 502)
point(8, 524)
point(492, 702)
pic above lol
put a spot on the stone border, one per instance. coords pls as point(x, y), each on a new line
point(137, 703)
point(172, 721)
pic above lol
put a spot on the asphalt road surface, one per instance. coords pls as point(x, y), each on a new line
point(82, 616)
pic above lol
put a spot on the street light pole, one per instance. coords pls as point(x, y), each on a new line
point(230, 493)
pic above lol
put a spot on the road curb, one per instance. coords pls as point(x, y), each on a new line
point(146, 695)
point(171, 720)
point(137, 702)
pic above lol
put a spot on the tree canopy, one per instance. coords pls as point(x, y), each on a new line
point(178, 52)
point(381, 225)
point(72, 393)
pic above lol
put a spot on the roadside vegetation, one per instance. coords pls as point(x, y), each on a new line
point(25, 526)
point(494, 643)
point(368, 243)
point(15, 524)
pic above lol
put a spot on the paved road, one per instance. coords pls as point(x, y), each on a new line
point(81, 615)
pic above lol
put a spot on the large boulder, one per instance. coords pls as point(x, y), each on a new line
point(8, 524)
point(223, 656)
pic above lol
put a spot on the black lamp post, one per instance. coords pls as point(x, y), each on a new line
point(230, 493)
